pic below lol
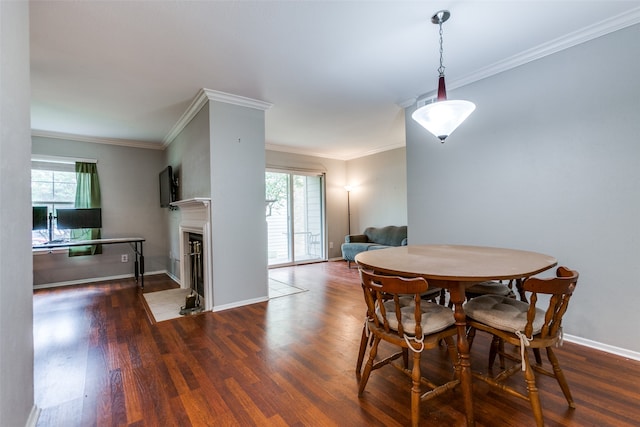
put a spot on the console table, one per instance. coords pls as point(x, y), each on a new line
point(138, 266)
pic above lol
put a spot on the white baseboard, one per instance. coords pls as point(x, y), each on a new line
point(240, 303)
point(173, 277)
point(634, 355)
point(93, 279)
point(33, 417)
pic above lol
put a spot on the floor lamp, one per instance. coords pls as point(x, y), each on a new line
point(348, 188)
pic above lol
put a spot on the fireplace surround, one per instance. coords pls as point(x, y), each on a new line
point(195, 220)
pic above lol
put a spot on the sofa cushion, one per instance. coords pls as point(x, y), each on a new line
point(350, 250)
point(390, 235)
point(375, 246)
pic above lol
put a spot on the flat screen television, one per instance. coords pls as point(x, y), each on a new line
point(69, 219)
point(167, 187)
point(40, 218)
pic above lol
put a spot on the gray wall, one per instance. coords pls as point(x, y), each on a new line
point(188, 155)
point(380, 194)
point(336, 196)
point(238, 226)
point(130, 199)
point(16, 316)
point(549, 162)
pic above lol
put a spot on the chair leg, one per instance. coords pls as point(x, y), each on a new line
point(471, 334)
point(501, 354)
point(369, 366)
point(532, 389)
point(493, 351)
point(442, 297)
point(453, 355)
point(562, 381)
point(536, 353)
point(364, 340)
point(415, 390)
point(405, 358)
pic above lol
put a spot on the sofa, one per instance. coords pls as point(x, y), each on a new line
point(373, 238)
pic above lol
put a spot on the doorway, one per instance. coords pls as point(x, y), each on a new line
point(295, 216)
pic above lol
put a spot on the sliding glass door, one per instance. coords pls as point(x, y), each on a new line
point(295, 217)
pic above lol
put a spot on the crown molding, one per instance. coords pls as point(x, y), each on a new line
point(304, 152)
point(607, 26)
point(242, 101)
point(97, 140)
point(200, 100)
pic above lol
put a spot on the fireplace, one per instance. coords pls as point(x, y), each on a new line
point(194, 232)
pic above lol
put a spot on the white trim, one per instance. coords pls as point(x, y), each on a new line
point(93, 280)
point(306, 152)
point(239, 304)
point(60, 159)
point(629, 354)
point(174, 277)
point(604, 27)
point(241, 101)
point(196, 218)
point(34, 415)
point(295, 171)
point(195, 202)
point(200, 100)
point(97, 140)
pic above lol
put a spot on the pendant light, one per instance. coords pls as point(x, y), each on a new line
point(442, 116)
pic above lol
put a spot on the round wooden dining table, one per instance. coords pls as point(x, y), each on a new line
point(456, 267)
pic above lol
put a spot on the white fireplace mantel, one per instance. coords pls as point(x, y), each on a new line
point(196, 218)
point(196, 202)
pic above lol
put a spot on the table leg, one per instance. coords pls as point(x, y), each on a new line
point(138, 265)
point(457, 296)
point(141, 265)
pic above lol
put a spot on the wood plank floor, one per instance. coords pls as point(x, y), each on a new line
point(99, 361)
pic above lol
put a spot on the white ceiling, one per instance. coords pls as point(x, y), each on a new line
point(336, 72)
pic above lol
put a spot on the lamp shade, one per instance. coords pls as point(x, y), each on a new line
point(441, 118)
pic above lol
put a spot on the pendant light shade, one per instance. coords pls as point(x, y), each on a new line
point(442, 117)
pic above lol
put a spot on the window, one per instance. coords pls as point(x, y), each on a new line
point(53, 184)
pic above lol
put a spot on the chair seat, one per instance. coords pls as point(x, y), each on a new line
point(435, 317)
point(503, 313)
point(490, 288)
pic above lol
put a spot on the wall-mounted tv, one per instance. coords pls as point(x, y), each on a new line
point(40, 218)
point(168, 187)
point(68, 219)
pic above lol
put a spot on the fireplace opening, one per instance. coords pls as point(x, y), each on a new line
point(196, 258)
point(193, 302)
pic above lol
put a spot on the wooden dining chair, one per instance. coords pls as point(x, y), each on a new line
point(435, 295)
point(397, 314)
point(490, 287)
point(525, 326)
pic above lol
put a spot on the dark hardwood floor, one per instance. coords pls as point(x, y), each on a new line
point(99, 361)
